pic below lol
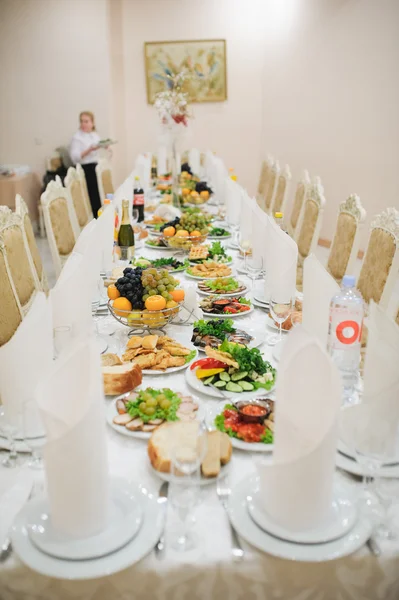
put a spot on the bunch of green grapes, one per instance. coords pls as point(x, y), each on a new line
point(158, 282)
point(193, 222)
point(228, 284)
point(149, 404)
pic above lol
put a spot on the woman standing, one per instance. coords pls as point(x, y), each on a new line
point(84, 150)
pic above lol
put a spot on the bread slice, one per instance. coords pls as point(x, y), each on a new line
point(226, 448)
point(119, 379)
point(168, 436)
point(149, 342)
point(211, 464)
point(109, 360)
point(134, 342)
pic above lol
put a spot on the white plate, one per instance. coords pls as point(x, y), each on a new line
point(135, 550)
point(224, 470)
point(125, 519)
point(226, 316)
point(259, 296)
point(212, 413)
point(227, 294)
point(111, 412)
point(214, 392)
point(344, 449)
point(352, 466)
point(270, 323)
point(277, 351)
point(103, 345)
point(202, 277)
point(343, 516)
point(159, 247)
point(258, 336)
point(228, 263)
point(20, 447)
point(171, 370)
point(219, 237)
point(265, 542)
point(260, 304)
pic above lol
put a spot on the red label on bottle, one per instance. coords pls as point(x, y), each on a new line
point(138, 199)
point(348, 332)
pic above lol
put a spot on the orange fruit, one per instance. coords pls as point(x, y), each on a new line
point(185, 191)
point(182, 233)
point(112, 292)
point(155, 303)
point(204, 194)
point(196, 233)
point(177, 295)
point(123, 305)
point(194, 194)
point(169, 231)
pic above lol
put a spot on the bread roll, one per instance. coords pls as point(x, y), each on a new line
point(119, 379)
point(149, 342)
point(134, 342)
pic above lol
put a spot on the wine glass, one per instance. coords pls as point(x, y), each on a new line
point(33, 433)
point(245, 248)
point(135, 215)
point(9, 429)
point(280, 309)
point(62, 339)
point(254, 268)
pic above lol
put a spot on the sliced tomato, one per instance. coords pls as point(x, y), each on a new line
point(250, 432)
point(208, 363)
point(230, 310)
point(245, 307)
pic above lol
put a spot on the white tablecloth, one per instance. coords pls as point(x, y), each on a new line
point(209, 572)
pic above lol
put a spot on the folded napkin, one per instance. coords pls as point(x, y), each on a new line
point(161, 161)
point(233, 201)
point(246, 217)
point(71, 296)
point(281, 262)
point(260, 224)
point(167, 211)
point(26, 359)
point(194, 160)
point(219, 177)
point(90, 245)
point(14, 496)
point(296, 488)
point(318, 289)
point(71, 402)
point(104, 233)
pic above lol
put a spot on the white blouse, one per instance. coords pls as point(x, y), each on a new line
point(81, 141)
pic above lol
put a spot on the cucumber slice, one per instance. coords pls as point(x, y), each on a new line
point(220, 384)
point(239, 375)
point(208, 380)
point(233, 387)
point(224, 376)
point(246, 386)
point(231, 370)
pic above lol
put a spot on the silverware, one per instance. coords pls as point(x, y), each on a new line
point(5, 550)
point(163, 502)
point(373, 546)
point(223, 492)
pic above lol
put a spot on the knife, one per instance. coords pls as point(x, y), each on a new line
point(163, 503)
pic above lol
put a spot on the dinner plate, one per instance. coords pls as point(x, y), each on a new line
point(258, 336)
point(171, 370)
point(196, 262)
point(263, 305)
point(202, 277)
point(270, 323)
point(147, 245)
point(132, 552)
point(254, 535)
point(347, 451)
point(228, 316)
point(226, 294)
point(342, 518)
point(212, 413)
point(224, 470)
point(214, 392)
point(20, 446)
point(219, 237)
point(124, 521)
point(352, 466)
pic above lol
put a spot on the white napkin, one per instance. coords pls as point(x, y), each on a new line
point(13, 499)
point(296, 488)
point(318, 289)
point(190, 305)
point(90, 245)
point(194, 160)
point(71, 297)
point(219, 179)
point(260, 231)
point(233, 201)
point(105, 242)
point(161, 161)
point(246, 216)
point(26, 359)
point(167, 211)
point(71, 401)
point(281, 263)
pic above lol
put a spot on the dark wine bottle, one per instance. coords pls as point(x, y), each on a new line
point(138, 198)
point(126, 233)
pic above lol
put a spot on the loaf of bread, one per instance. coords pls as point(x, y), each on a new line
point(119, 379)
point(218, 453)
point(168, 436)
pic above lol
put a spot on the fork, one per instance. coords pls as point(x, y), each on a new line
point(223, 491)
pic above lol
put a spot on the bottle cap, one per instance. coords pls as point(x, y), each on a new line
point(278, 215)
point(110, 196)
point(137, 177)
point(348, 281)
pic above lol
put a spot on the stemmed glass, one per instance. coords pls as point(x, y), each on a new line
point(135, 216)
point(245, 248)
point(10, 430)
point(33, 433)
point(254, 268)
point(280, 309)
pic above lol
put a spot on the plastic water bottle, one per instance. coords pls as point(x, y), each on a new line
point(345, 332)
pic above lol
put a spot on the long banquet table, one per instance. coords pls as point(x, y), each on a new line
point(209, 571)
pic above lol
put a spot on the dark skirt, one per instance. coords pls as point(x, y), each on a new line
point(92, 186)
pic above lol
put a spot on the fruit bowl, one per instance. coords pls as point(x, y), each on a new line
point(144, 319)
point(184, 242)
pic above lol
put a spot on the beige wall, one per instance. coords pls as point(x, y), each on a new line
point(53, 64)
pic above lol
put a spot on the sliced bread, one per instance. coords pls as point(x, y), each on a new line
point(119, 379)
point(168, 436)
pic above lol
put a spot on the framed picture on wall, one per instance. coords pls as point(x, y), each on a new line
point(204, 59)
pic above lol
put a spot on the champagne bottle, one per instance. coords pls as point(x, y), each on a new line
point(126, 233)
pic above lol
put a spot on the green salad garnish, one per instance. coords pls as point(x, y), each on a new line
point(251, 361)
point(155, 404)
point(218, 327)
point(219, 232)
point(190, 356)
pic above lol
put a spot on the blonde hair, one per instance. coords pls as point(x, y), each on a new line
point(89, 114)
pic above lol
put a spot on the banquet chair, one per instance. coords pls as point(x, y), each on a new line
point(104, 179)
point(30, 241)
point(309, 226)
point(381, 260)
point(345, 245)
point(264, 180)
point(10, 313)
point(271, 186)
point(18, 260)
point(82, 178)
point(296, 211)
point(281, 191)
point(73, 185)
point(61, 223)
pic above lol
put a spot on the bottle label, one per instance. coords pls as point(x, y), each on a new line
point(138, 199)
point(344, 330)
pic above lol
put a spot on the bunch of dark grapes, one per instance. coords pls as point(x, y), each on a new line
point(129, 286)
point(202, 187)
point(173, 223)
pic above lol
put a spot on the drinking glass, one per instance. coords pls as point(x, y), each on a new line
point(280, 310)
point(62, 339)
point(254, 268)
point(135, 216)
point(245, 248)
point(33, 433)
point(9, 429)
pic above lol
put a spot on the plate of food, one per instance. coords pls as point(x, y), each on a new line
point(170, 264)
point(217, 233)
point(157, 244)
point(215, 252)
point(208, 270)
point(155, 221)
point(119, 377)
point(295, 318)
point(140, 413)
point(231, 371)
point(215, 463)
point(225, 308)
point(213, 332)
point(222, 286)
point(248, 423)
point(158, 354)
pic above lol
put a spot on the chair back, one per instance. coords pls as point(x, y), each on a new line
point(345, 246)
point(264, 177)
point(300, 195)
point(104, 179)
point(73, 185)
point(61, 223)
point(30, 242)
point(82, 178)
point(281, 191)
point(381, 260)
point(310, 220)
